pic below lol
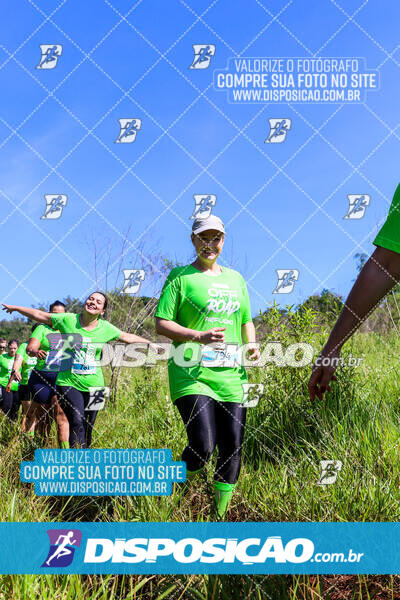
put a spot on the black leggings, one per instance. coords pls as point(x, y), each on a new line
point(81, 421)
point(210, 423)
point(10, 403)
point(42, 385)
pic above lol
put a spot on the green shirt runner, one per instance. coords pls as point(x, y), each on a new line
point(389, 235)
point(6, 365)
point(28, 362)
point(202, 301)
point(84, 354)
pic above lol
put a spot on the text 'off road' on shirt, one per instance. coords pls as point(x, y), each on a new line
point(83, 349)
point(202, 301)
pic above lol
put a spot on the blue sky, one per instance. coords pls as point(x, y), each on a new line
point(128, 59)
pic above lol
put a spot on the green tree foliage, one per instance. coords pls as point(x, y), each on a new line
point(327, 305)
point(16, 329)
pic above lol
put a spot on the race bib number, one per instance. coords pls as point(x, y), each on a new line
point(221, 355)
point(97, 398)
point(84, 360)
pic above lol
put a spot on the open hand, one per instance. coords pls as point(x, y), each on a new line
point(9, 308)
point(216, 334)
point(321, 376)
point(252, 351)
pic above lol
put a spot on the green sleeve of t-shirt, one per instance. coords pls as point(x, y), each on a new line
point(389, 235)
point(111, 332)
point(21, 349)
point(38, 333)
point(59, 319)
point(246, 311)
point(169, 299)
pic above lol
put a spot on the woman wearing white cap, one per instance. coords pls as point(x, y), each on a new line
point(204, 304)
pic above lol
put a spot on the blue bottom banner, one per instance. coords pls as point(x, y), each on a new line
point(215, 548)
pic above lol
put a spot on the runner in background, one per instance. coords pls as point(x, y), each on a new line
point(22, 367)
point(84, 336)
point(43, 345)
point(378, 276)
point(3, 350)
point(205, 308)
point(10, 404)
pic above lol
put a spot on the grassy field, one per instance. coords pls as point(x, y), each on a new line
point(286, 437)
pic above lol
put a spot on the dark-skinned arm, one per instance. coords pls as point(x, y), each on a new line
point(378, 276)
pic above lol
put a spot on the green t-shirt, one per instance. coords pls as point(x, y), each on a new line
point(28, 362)
point(202, 301)
point(81, 370)
point(50, 342)
point(6, 365)
point(389, 235)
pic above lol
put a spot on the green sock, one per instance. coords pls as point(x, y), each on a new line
point(190, 475)
point(30, 433)
point(64, 445)
point(223, 494)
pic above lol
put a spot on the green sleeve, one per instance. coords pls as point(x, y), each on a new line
point(246, 311)
point(37, 334)
point(170, 297)
point(21, 349)
point(58, 319)
point(111, 332)
point(389, 235)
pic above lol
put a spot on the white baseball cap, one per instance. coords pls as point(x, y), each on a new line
point(211, 222)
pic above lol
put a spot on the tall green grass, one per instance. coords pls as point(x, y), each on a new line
point(286, 438)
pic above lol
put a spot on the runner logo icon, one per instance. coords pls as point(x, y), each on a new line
point(286, 280)
point(63, 543)
point(252, 393)
point(50, 56)
point(203, 205)
point(202, 56)
point(329, 471)
point(97, 398)
point(278, 129)
point(357, 206)
point(54, 206)
point(132, 280)
point(128, 130)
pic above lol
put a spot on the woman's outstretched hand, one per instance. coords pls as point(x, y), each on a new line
point(9, 308)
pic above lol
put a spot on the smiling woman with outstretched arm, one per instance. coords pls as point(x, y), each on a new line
point(85, 334)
